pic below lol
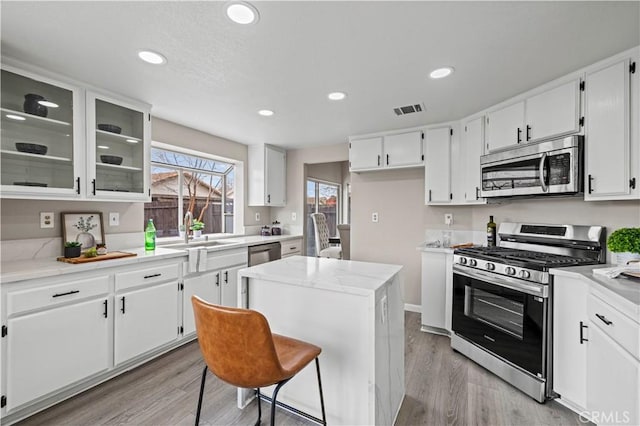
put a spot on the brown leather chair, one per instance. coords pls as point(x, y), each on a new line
point(239, 348)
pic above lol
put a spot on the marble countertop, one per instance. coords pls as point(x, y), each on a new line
point(434, 249)
point(623, 293)
point(344, 276)
point(44, 267)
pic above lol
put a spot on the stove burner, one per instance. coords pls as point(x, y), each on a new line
point(525, 258)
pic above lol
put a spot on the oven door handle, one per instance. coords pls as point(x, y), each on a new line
point(543, 184)
point(539, 290)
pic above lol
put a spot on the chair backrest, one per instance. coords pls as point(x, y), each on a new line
point(321, 231)
point(236, 344)
point(345, 240)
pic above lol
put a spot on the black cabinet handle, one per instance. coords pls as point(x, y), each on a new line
point(152, 276)
point(582, 327)
point(78, 184)
point(269, 198)
point(378, 159)
point(477, 190)
point(604, 319)
point(429, 195)
point(122, 309)
point(218, 279)
point(67, 293)
point(93, 183)
point(387, 159)
point(106, 306)
point(590, 188)
point(519, 132)
point(528, 132)
point(226, 277)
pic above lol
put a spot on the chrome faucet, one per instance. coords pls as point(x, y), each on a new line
point(188, 216)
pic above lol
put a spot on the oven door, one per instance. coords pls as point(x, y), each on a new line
point(503, 319)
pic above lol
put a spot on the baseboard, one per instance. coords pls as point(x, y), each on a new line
point(412, 308)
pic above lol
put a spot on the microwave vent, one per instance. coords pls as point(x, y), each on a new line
point(409, 109)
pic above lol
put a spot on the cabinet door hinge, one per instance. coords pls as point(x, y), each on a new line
point(3, 401)
point(632, 183)
point(581, 121)
point(632, 67)
point(451, 132)
point(582, 86)
point(5, 330)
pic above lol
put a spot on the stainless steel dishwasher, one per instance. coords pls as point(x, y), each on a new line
point(264, 253)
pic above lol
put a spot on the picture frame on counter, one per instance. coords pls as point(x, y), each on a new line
point(85, 227)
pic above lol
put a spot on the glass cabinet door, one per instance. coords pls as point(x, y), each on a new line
point(38, 131)
point(118, 148)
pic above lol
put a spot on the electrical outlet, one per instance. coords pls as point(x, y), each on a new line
point(293, 215)
point(448, 218)
point(374, 217)
point(258, 217)
point(114, 219)
point(46, 220)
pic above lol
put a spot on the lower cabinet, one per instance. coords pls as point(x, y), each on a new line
point(291, 248)
point(437, 273)
point(145, 319)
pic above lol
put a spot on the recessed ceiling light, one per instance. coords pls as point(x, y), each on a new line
point(48, 104)
point(242, 13)
point(15, 117)
point(131, 140)
point(103, 147)
point(337, 96)
point(441, 72)
point(265, 112)
point(152, 57)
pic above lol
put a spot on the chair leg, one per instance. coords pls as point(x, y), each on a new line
point(204, 378)
point(324, 418)
point(259, 407)
point(273, 401)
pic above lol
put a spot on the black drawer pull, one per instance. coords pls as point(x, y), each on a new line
point(78, 182)
point(604, 319)
point(293, 248)
point(226, 277)
point(122, 309)
point(217, 279)
point(93, 183)
point(528, 132)
point(518, 133)
point(152, 276)
point(106, 305)
point(582, 327)
point(67, 293)
point(387, 159)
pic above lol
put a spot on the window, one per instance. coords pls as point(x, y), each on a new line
point(322, 197)
point(183, 182)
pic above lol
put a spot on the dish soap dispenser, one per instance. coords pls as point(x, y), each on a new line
point(150, 236)
point(491, 233)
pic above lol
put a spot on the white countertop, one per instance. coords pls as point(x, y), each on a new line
point(344, 276)
point(45, 267)
point(623, 292)
point(434, 249)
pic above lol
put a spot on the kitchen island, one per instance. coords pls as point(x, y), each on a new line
point(354, 312)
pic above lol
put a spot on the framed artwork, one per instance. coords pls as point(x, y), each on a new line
point(85, 227)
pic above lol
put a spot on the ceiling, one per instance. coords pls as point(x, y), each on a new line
point(219, 74)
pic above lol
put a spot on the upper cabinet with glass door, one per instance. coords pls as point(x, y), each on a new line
point(118, 149)
point(41, 129)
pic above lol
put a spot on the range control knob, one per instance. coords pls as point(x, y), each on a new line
point(490, 266)
point(524, 274)
point(463, 260)
point(473, 262)
point(510, 271)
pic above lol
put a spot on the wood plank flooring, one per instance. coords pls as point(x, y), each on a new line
point(442, 388)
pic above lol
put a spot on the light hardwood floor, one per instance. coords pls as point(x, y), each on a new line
point(442, 388)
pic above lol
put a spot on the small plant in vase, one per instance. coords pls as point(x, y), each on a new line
point(72, 249)
point(197, 228)
point(625, 243)
point(85, 237)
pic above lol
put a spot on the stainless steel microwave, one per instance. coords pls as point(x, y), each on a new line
point(545, 168)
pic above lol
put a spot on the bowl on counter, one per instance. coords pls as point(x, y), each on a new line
point(111, 128)
point(111, 159)
point(31, 148)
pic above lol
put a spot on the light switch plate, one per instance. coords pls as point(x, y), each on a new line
point(258, 217)
point(114, 219)
point(46, 220)
point(293, 215)
point(448, 218)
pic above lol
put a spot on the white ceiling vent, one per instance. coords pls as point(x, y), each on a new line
point(409, 109)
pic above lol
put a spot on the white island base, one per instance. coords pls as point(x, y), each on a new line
point(354, 312)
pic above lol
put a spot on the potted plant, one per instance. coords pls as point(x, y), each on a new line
point(625, 243)
point(197, 228)
point(181, 230)
point(72, 249)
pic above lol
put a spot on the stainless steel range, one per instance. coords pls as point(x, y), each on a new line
point(503, 299)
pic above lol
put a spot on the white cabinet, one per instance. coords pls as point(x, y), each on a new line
point(611, 157)
point(267, 176)
point(552, 113)
point(437, 165)
point(472, 150)
point(69, 156)
point(570, 339)
point(291, 248)
point(229, 286)
point(391, 151)
point(145, 319)
point(207, 287)
point(437, 291)
point(57, 335)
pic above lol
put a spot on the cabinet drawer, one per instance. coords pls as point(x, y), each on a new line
point(156, 274)
point(291, 247)
point(619, 327)
point(53, 295)
point(224, 259)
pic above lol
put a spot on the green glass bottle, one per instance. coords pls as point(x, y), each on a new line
point(150, 236)
point(491, 233)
